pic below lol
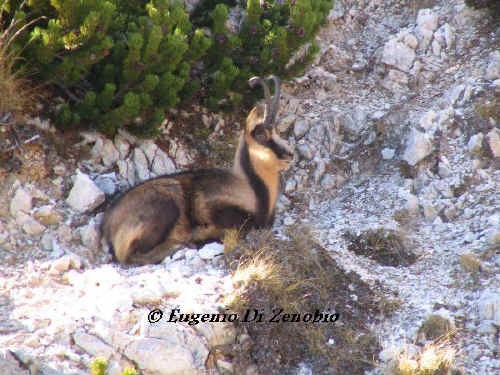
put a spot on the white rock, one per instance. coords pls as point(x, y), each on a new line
point(47, 215)
point(290, 185)
point(127, 171)
point(285, 123)
point(122, 145)
point(493, 69)
point(217, 333)
point(305, 151)
point(64, 263)
point(412, 203)
point(328, 182)
point(92, 345)
point(46, 241)
point(418, 147)
point(85, 195)
point(475, 143)
point(398, 55)
point(21, 202)
point(326, 79)
point(436, 48)
point(301, 127)
point(445, 35)
point(489, 306)
point(33, 227)
point(388, 153)
point(493, 139)
point(430, 211)
point(107, 183)
point(90, 235)
point(410, 40)
point(156, 356)
point(211, 250)
point(162, 164)
point(395, 81)
point(320, 170)
point(427, 19)
point(140, 164)
point(493, 236)
point(109, 153)
point(426, 24)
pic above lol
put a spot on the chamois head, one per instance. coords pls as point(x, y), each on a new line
point(261, 133)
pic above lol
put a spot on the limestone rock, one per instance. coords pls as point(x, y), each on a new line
point(65, 263)
point(217, 333)
point(475, 143)
point(427, 22)
point(109, 153)
point(493, 139)
point(489, 306)
point(388, 153)
point(21, 202)
point(85, 195)
point(493, 69)
point(418, 147)
point(211, 250)
point(107, 183)
point(141, 165)
point(29, 225)
point(47, 215)
point(92, 345)
point(127, 171)
point(300, 128)
point(158, 357)
point(90, 236)
point(398, 55)
point(122, 145)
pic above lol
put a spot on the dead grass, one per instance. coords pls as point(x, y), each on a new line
point(387, 247)
point(18, 93)
point(299, 276)
point(436, 358)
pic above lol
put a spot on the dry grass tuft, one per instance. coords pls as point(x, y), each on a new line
point(436, 358)
point(17, 91)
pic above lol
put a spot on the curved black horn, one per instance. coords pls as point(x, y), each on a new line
point(267, 95)
point(276, 98)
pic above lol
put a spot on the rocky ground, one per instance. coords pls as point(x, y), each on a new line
point(396, 176)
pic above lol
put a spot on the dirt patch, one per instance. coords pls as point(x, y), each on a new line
point(298, 277)
point(385, 246)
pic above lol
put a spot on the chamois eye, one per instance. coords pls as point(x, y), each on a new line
point(261, 134)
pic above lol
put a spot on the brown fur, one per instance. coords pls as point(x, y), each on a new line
point(153, 219)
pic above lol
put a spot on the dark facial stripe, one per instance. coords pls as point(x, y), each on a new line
point(258, 186)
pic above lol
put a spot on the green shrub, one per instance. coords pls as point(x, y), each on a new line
point(123, 63)
point(268, 37)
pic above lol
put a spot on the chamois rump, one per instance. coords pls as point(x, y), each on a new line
point(150, 221)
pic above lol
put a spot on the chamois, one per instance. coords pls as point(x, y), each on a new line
point(154, 218)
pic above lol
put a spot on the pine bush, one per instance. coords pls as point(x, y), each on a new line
point(124, 63)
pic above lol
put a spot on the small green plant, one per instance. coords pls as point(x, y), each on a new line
point(98, 366)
